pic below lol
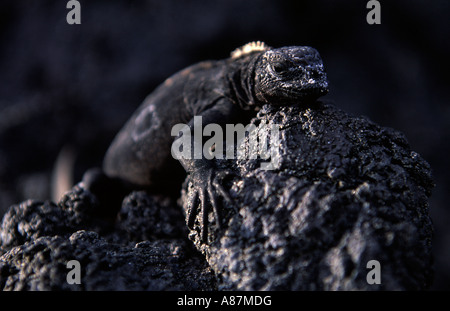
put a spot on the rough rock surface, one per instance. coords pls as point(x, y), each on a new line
point(144, 250)
point(348, 191)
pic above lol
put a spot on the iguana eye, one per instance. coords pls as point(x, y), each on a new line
point(280, 67)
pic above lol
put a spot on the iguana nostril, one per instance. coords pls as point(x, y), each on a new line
point(315, 74)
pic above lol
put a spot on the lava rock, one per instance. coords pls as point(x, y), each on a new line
point(159, 265)
point(141, 250)
point(346, 192)
point(144, 217)
point(32, 219)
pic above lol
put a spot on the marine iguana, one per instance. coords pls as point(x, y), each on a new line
point(221, 91)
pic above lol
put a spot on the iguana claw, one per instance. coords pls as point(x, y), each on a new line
point(206, 191)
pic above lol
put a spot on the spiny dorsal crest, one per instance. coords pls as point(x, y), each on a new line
point(255, 46)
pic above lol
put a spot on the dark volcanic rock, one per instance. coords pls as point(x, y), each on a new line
point(158, 265)
point(31, 219)
point(145, 249)
point(145, 217)
point(347, 191)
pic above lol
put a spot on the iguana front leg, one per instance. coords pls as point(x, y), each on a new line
point(207, 189)
point(204, 175)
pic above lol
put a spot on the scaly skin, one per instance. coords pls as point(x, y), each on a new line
point(223, 92)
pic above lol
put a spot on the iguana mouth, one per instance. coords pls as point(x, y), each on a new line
point(313, 80)
point(314, 83)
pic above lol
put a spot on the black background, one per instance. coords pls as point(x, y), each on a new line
point(75, 85)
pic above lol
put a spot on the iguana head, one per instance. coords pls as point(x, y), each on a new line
point(289, 75)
